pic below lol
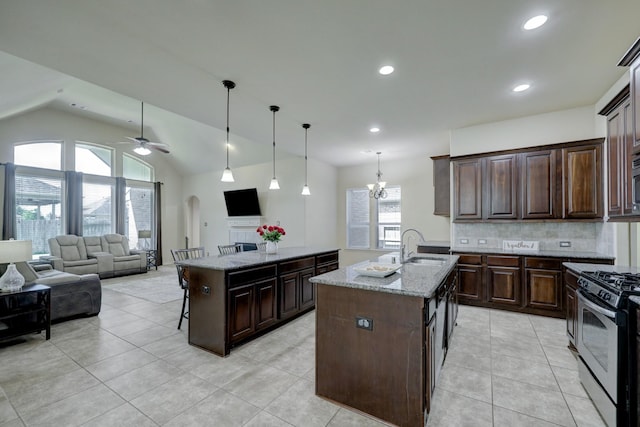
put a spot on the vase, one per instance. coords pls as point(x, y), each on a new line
point(271, 248)
point(12, 280)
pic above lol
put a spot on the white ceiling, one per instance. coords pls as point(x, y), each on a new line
point(456, 62)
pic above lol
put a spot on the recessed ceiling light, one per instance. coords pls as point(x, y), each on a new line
point(386, 70)
point(521, 88)
point(374, 130)
point(535, 22)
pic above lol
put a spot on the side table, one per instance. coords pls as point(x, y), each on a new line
point(25, 311)
point(152, 258)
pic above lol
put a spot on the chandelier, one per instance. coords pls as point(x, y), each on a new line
point(377, 191)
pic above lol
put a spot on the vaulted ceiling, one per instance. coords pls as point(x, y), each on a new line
point(455, 62)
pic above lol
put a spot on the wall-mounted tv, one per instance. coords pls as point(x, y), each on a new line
point(242, 202)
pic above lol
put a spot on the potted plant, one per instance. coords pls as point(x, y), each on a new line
point(272, 235)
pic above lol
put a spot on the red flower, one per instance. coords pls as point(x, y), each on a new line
point(283, 233)
point(264, 226)
point(271, 233)
point(270, 228)
point(261, 232)
point(258, 229)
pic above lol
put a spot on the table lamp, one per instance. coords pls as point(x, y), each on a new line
point(13, 251)
point(144, 234)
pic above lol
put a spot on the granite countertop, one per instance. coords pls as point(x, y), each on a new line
point(411, 279)
point(541, 252)
point(253, 258)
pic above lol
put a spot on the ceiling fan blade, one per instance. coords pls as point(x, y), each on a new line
point(157, 148)
point(158, 144)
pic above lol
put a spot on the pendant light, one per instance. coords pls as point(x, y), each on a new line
point(377, 191)
point(274, 181)
point(227, 175)
point(305, 189)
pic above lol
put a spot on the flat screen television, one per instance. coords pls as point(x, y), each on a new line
point(242, 202)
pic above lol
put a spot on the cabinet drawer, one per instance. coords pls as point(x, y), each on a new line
point(543, 263)
point(297, 264)
point(251, 275)
point(327, 258)
point(470, 259)
point(503, 261)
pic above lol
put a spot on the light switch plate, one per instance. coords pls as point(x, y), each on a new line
point(482, 241)
point(565, 244)
point(464, 241)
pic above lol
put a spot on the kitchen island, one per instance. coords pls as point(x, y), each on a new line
point(236, 297)
point(381, 341)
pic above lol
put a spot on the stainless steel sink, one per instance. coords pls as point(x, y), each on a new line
point(431, 261)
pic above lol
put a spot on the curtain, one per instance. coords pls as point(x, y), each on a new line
point(158, 220)
point(9, 224)
point(73, 196)
point(121, 206)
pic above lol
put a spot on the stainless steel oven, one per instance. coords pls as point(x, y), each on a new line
point(598, 345)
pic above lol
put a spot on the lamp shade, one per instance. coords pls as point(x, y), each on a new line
point(144, 234)
point(15, 251)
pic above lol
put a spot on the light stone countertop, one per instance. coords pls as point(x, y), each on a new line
point(411, 279)
point(541, 253)
point(253, 258)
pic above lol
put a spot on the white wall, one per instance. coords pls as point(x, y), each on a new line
point(54, 124)
point(415, 176)
point(308, 220)
point(542, 129)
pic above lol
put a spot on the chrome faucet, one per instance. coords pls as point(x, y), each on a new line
point(403, 248)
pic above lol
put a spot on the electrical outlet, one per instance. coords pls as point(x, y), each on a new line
point(364, 323)
point(464, 241)
point(565, 244)
point(482, 241)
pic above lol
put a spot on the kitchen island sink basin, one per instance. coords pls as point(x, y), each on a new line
point(429, 261)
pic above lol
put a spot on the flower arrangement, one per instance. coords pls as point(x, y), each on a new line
point(271, 233)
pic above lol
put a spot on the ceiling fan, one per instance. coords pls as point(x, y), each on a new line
point(144, 146)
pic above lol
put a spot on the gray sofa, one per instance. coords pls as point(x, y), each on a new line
point(106, 256)
point(72, 295)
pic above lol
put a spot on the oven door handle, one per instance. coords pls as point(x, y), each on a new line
point(596, 307)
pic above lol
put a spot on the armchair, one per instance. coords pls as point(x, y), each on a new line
point(125, 260)
point(69, 254)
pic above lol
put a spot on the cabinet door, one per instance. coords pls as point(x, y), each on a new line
point(467, 196)
point(543, 289)
point(266, 303)
point(241, 317)
point(539, 197)
point(288, 288)
point(501, 197)
point(571, 300)
point(503, 285)
point(615, 149)
point(582, 167)
point(635, 95)
point(470, 283)
point(441, 186)
point(627, 160)
point(307, 289)
point(430, 362)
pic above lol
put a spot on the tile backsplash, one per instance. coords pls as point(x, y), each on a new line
point(583, 236)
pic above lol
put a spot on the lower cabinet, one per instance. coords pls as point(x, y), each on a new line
point(571, 304)
point(296, 292)
point(523, 283)
point(430, 362)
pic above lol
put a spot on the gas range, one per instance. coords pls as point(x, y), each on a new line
point(611, 288)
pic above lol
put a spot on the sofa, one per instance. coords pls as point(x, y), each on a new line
point(72, 295)
point(107, 256)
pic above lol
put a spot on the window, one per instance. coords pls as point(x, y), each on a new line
point(387, 222)
point(42, 154)
point(139, 215)
point(389, 219)
point(98, 210)
point(133, 168)
point(358, 218)
point(93, 159)
point(39, 202)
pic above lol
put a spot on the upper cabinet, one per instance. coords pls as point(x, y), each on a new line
point(441, 185)
point(631, 59)
point(562, 181)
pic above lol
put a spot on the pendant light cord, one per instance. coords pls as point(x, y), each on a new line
point(228, 90)
point(142, 120)
point(274, 108)
point(306, 127)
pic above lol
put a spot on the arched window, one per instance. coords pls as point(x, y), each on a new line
point(133, 168)
point(94, 159)
point(39, 154)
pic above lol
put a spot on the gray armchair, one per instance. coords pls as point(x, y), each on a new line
point(125, 260)
point(69, 254)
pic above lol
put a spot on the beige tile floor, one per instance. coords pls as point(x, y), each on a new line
point(130, 366)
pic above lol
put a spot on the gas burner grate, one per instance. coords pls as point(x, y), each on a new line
point(621, 281)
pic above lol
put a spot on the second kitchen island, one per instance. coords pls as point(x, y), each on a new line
point(380, 342)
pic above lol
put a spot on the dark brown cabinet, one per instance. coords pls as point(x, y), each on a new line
point(561, 181)
point(501, 188)
point(503, 280)
point(467, 195)
point(631, 59)
point(241, 319)
point(441, 185)
point(571, 304)
point(582, 184)
point(266, 303)
point(295, 291)
point(470, 283)
point(538, 183)
point(524, 283)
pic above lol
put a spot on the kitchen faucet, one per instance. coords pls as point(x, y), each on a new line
point(404, 256)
